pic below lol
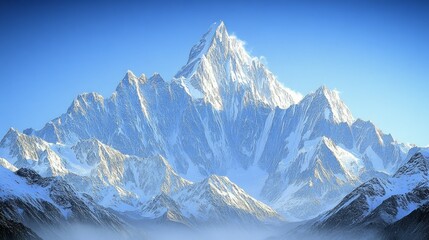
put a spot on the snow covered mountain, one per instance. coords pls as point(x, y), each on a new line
point(317, 153)
point(215, 200)
point(142, 186)
point(120, 181)
point(381, 202)
point(25, 151)
point(114, 180)
point(221, 72)
point(225, 114)
point(45, 204)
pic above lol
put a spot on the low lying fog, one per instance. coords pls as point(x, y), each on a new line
point(79, 232)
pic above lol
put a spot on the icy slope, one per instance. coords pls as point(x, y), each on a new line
point(113, 179)
point(44, 203)
point(381, 202)
point(22, 150)
point(124, 183)
point(214, 200)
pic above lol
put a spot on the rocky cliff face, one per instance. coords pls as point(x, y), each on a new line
point(28, 200)
point(384, 202)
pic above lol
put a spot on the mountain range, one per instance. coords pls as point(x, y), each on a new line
point(223, 141)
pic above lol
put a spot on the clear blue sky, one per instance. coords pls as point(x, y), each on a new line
point(376, 53)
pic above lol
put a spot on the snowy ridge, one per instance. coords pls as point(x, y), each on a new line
point(214, 200)
point(28, 151)
point(36, 202)
point(383, 201)
point(113, 179)
point(321, 173)
point(335, 109)
point(320, 158)
point(124, 183)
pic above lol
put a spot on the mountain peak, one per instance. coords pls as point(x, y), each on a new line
point(156, 78)
point(129, 75)
point(84, 101)
point(11, 136)
point(326, 92)
point(130, 79)
point(322, 90)
point(216, 31)
point(418, 164)
point(220, 30)
point(335, 109)
point(12, 131)
point(221, 72)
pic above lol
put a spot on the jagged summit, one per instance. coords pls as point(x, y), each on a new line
point(215, 199)
point(11, 133)
point(220, 71)
point(418, 164)
point(330, 102)
point(131, 79)
point(217, 31)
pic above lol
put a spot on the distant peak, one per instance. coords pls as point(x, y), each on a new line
point(216, 31)
point(220, 28)
point(219, 24)
point(11, 133)
point(92, 96)
point(327, 93)
point(130, 79)
point(335, 107)
point(129, 75)
point(156, 77)
point(323, 90)
point(142, 76)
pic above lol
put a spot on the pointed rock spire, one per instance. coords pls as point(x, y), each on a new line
point(10, 137)
point(220, 71)
point(334, 107)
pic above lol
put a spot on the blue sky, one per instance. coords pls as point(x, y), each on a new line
point(376, 53)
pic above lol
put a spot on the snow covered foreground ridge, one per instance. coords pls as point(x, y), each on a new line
point(46, 204)
point(381, 202)
point(224, 114)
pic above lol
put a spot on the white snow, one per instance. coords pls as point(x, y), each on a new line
point(376, 161)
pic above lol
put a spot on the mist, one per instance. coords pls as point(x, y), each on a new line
point(288, 231)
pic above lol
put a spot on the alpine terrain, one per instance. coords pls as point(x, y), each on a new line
point(384, 204)
point(222, 142)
